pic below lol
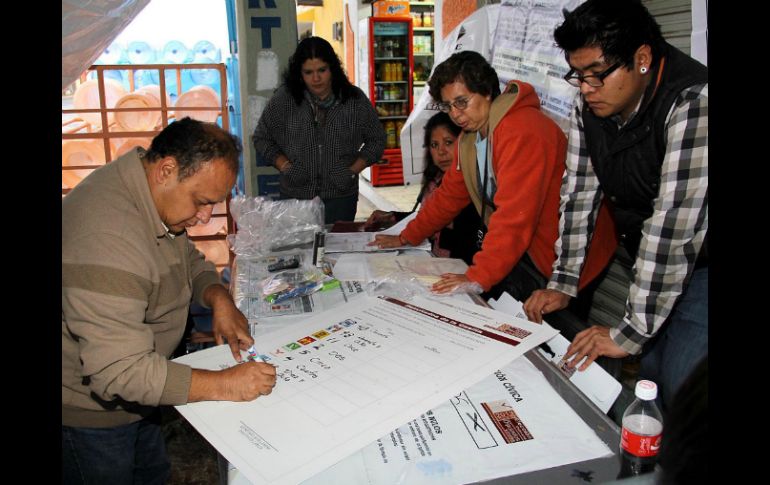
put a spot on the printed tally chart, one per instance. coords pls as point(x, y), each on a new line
point(349, 376)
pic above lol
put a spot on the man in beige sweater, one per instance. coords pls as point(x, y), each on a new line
point(129, 274)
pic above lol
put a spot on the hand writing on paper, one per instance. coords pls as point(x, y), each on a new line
point(248, 381)
point(592, 343)
point(541, 302)
point(241, 382)
point(449, 281)
point(384, 241)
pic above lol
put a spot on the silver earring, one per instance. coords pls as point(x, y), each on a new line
point(643, 70)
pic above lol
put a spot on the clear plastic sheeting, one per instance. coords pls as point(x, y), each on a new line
point(407, 285)
point(267, 226)
point(292, 283)
point(88, 28)
point(403, 276)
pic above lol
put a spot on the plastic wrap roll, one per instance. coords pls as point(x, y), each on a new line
point(138, 120)
point(87, 97)
point(198, 97)
point(175, 52)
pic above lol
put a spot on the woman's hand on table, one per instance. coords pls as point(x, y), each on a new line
point(449, 282)
point(384, 241)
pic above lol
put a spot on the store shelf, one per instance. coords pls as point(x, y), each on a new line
point(422, 4)
point(389, 82)
point(423, 29)
point(419, 83)
point(422, 54)
point(391, 58)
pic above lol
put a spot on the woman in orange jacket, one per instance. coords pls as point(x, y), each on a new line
point(509, 163)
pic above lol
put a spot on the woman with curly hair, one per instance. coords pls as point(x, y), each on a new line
point(509, 165)
point(319, 131)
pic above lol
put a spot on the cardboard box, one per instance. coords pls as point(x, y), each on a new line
point(391, 8)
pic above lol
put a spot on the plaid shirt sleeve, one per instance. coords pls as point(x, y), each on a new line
point(580, 199)
point(674, 234)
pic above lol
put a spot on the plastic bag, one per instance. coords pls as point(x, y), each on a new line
point(405, 285)
point(268, 226)
point(293, 283)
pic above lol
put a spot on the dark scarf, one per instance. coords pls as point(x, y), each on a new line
point(320, 107)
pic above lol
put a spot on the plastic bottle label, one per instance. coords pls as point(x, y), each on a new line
point(639, 445)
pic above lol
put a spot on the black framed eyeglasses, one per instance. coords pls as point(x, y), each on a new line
point(593, 80)
point(460, 104)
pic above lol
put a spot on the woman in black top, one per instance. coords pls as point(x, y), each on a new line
point(457, 240)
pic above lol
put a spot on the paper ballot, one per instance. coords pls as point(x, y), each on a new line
point(350, 375)
point(350, 242)
point(598, 386)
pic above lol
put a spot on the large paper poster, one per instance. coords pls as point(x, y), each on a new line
point(349, 376)
point(524, 49)
point(511, 422)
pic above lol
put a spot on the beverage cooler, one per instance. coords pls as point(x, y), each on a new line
point(386, 77)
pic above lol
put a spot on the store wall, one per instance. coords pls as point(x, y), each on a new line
point(324, 20)
point(306, 16)
point(350, 44)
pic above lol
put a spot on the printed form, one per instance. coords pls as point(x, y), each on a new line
point(512, 422)
point(350, 375)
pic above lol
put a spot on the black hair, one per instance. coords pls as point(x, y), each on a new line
point(618, 27)
point(193, 143)
point(317, 48)
point(439, 119)
point(471, 68)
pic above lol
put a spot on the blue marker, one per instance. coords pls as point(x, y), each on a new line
point(253, 355)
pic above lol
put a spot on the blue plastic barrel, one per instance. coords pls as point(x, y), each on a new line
point(140, 52)
point(175, 52)
point(207, 49)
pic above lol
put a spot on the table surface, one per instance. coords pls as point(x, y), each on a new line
point(594, 471)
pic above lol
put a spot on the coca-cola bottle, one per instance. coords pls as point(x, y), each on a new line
point(641, 433)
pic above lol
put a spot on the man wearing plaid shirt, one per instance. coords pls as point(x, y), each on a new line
point(638, 141)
